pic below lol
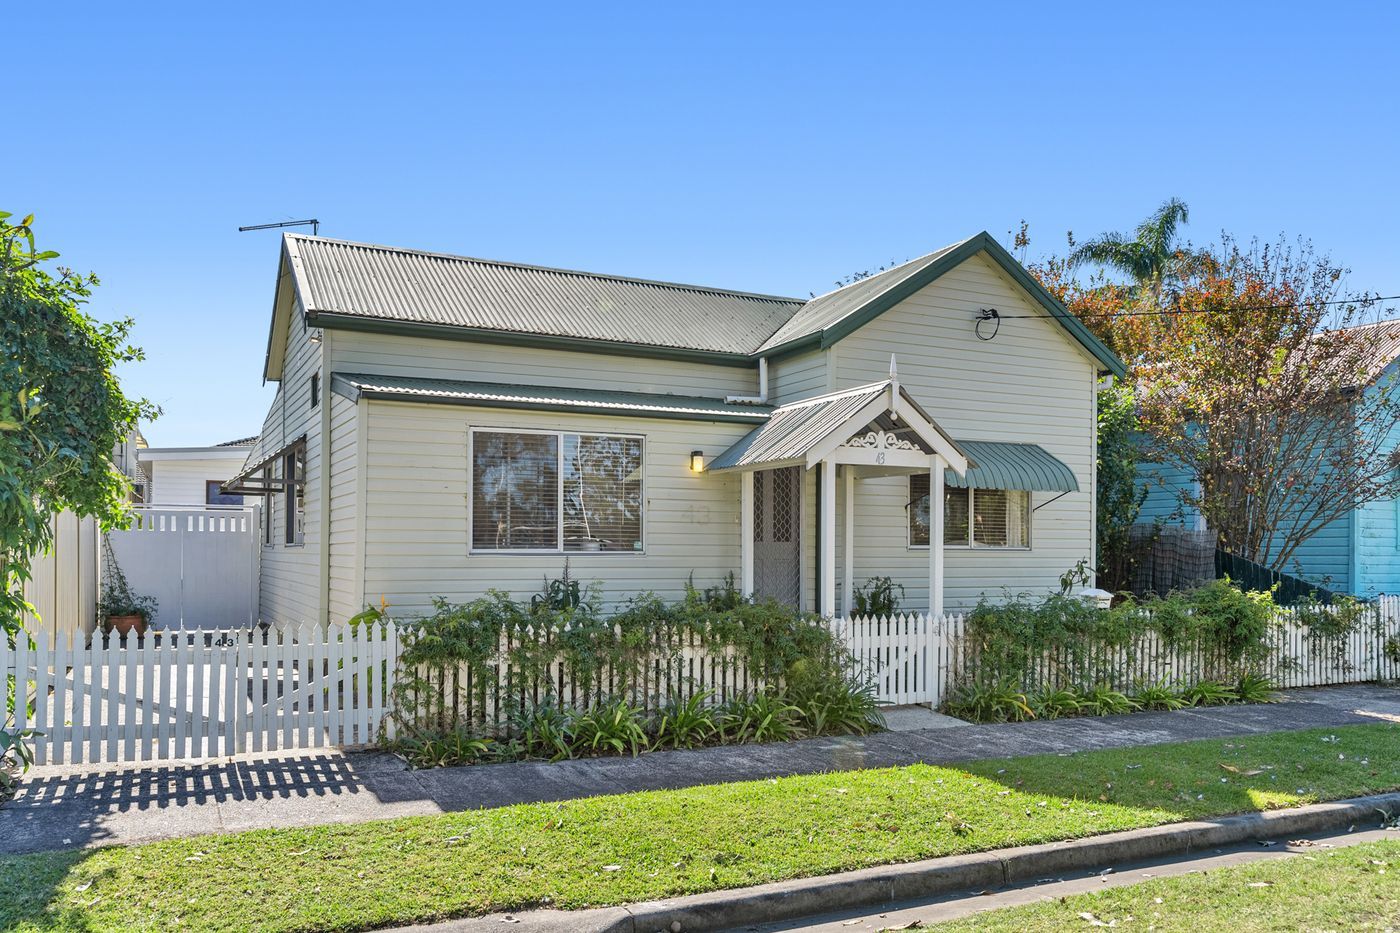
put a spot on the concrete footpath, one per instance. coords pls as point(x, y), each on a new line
point(80, 806)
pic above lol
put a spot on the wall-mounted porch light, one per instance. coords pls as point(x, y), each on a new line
point(697, 461)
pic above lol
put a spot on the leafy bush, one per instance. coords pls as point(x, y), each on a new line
point(877, 597)
point(999, 701)
point(1159, 696)
point(1102, 701)
point(1253, 688)
point(545, 731)
point(1218, 615)
point(686, 723)
point(1055, 704)
point(441, 749)
point(762, 717)
point(613, 727)
point(1208, 693)
point(839, 707)
point(453, 659)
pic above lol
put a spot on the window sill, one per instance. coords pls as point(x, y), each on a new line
point(543, 553)
point(970, 547)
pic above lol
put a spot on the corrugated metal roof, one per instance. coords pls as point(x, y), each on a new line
point(367, 281)
point(825, 310)
point(794, 429)
point(264, 455)
point(241, 442)
point(1002, 465)
point(1383, 347)
point(545, 398)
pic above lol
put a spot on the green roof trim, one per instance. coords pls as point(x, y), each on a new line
point(1001, 465)
point(944, 262)
point(355, 386)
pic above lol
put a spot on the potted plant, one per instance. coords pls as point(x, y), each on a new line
point(118, 608)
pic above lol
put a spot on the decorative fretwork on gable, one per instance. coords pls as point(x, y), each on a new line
point(880, 439)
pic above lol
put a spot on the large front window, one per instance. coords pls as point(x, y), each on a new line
point(556, 492)
point(984, 518)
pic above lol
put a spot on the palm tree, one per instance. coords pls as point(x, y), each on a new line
point(1152, 258)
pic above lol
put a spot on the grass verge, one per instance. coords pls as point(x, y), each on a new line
point(618, 849)
point(1343, 889)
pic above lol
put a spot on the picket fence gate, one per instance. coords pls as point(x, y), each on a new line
point(199, 694)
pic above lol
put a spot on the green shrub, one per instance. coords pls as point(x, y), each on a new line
point(613, 727)
point(1160, 696)
point(1220, 616)
point(1055, 704)
point(839, 707)
point(1254, 688)
point(544, 731)
point(441, 749)
point(1208, 693)
point(999, 701)
point(686, 723)
point(1103, 701)
point(877, 597)
point(763, 717)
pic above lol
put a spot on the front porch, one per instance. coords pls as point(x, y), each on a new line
point(872, 430)
point(811, 543)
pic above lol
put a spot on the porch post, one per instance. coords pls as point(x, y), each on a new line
point(827, 601)
point(935, 535)
point(746, 517)
point(848, 575)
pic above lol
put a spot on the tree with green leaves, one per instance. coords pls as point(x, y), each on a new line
point(62, 414)
point(1151, 257)
point(1120, 495)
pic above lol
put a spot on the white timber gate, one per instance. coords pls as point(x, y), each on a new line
point(195, 694)
point(200, 563)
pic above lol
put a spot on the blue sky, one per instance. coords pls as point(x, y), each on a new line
point(767, 147)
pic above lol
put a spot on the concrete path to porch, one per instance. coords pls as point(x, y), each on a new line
point(82, 806)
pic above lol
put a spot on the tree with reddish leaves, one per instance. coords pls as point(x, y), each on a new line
point(1262, 378)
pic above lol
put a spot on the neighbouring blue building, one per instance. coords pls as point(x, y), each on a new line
point(1358, 554)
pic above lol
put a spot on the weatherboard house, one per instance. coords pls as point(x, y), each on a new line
point(445, 425)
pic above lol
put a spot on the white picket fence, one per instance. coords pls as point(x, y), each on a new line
point(199, 694)
point(919, 659)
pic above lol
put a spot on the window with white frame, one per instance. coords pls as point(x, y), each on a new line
point(555, 491)
point(979, 518)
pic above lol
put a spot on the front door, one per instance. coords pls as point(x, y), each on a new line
point(777, 523)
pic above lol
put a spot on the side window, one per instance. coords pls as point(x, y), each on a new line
point(214, 495)
point(269, 500)
point(315, 389)
point(294, 501)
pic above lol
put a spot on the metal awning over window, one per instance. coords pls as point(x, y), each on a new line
point(249, 482)
point(1001, 465)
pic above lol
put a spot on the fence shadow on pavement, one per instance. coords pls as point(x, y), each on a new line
point(78, 807)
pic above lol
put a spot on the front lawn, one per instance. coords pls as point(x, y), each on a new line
point(1341, 889)
point(611, 850)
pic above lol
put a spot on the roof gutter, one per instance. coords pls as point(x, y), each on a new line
point(762, 397)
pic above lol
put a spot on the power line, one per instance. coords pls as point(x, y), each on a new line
point(1164, 312)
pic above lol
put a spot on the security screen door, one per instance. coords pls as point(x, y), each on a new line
point(777, 522)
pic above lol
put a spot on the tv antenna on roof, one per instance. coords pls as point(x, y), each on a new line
point(315, 226)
